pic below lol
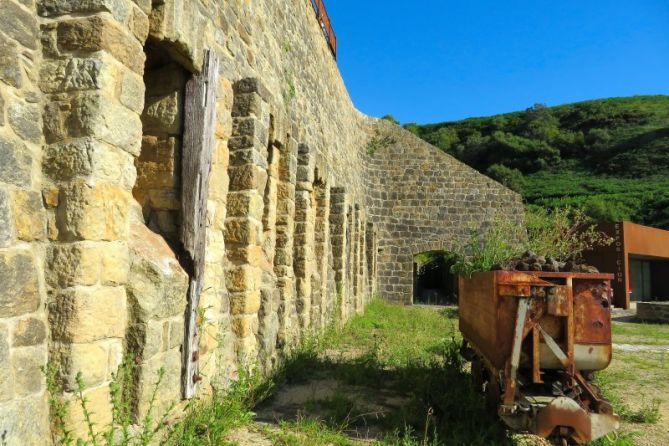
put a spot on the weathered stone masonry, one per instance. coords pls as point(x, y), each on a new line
point(303, 226)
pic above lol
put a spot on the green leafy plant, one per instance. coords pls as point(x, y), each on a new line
point(390, 118)
point(121, 391)
point(500, 242)
point(58, 408)
point(379, 141)
point(563, 233)
point(608, 156)
point(290, 90)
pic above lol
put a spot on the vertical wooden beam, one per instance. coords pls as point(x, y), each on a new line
point(198, 143)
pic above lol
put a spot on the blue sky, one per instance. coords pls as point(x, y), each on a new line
point(430, 61)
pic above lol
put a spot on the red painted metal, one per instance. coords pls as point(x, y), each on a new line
point(326, 26)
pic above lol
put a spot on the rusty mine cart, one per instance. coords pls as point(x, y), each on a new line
point(534, 339)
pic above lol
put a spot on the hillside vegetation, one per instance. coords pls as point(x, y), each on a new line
point(607, 156)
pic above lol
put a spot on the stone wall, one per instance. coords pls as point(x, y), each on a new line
point(653, 312)
point(23, 230)
point(424, 200)
point(303, 225)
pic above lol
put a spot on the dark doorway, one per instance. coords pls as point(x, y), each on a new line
point(648, 279)
point(433, 282)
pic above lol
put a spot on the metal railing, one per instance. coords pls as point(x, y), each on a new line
point(326, 26)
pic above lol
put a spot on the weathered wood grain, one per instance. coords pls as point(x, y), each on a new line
point(196, 159)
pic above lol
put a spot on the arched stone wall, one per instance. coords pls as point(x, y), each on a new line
point(422, 199)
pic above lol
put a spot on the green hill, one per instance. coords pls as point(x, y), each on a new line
point(608, 156)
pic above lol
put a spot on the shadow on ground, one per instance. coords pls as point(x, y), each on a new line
point(432, 401)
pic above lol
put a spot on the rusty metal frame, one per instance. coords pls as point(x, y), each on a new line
point(326, 25)
point(537, 295)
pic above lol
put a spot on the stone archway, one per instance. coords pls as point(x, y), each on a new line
point(425, 247)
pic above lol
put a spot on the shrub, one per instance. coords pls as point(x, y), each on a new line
point(511, 178)
point(563, 233)
point(391, 118)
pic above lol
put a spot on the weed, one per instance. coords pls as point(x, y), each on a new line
point(290, 90)
point(58, 407)
point(118, 433)
point(379, 141)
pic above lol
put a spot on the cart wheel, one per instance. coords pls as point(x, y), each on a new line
point(477, 374)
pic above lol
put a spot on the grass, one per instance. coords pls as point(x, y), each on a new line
point(398, 335)
point(640, 333)
point(412, 353)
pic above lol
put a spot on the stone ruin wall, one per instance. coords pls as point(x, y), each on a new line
point(91, 130)
point(424, 200)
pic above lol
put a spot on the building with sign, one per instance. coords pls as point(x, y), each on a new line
point(639, 258)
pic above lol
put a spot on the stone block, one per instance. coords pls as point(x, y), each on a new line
point(27, 363)
point(120, 9)
point(248, 177)
point(19, 24)
point(245, 204)
point(138, 24)
point(74, 264)
point(253, 132)
point(86, 157)
point(57, 113)
point(98, 212)
point(63, 161)
point(25, 119)
point(176, 333)
point(165, 199)
point(252, 85)
point(87, 314)
point(15, 162)
point(28, 332)
point(5, 219)
point(19, 293)
point(158, 165)
point(246, 302)
point(157, 285)
point(99, 33)
point(132, 91)
point(91, 360)
point(242, 231)
point(116, 351)
point(94, 114)
point(245, 325)
point(163, 114)
point(169, 390)
point(30, 429)
point(247, 104)
point(50, 196)
point(6, 378)
point(115, 264)
point(28, 215)
point(10, 65)
point(77, 74)
point(98, 403)
point(145, 339)
point(242, 278)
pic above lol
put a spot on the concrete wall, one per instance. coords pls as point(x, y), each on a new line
point(301, 220)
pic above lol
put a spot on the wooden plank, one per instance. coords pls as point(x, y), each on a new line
point(196, 159)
